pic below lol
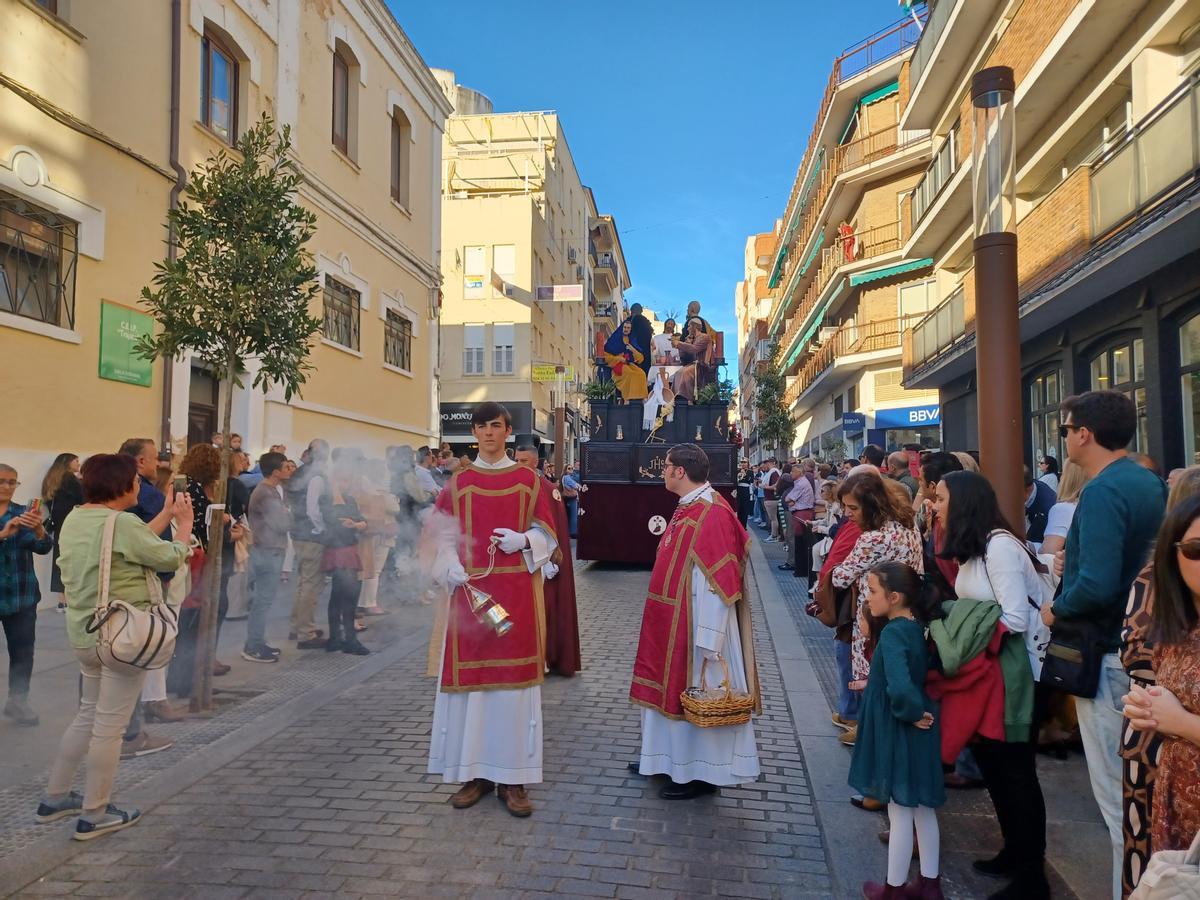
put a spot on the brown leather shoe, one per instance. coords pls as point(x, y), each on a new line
point(516, 798)
point(161, 711)
point(219, 668)
point(471, 793)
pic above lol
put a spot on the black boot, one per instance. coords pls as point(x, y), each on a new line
point(1029, 883)
point(999, 866)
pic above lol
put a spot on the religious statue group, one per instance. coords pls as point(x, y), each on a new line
point(660, 367)
point(493, 541)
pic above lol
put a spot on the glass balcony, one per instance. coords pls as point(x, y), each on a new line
point(945, 324)
point(1160, 154)
point(938, 16)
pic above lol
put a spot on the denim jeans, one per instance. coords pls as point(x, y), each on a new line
point(847, 699)
point(266, 567)
point(1100, 721)
point(573, 516)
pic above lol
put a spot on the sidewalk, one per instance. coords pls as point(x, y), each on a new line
point(250, 692)
point(1077, 841)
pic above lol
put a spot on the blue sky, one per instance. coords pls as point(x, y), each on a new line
point(687, 119)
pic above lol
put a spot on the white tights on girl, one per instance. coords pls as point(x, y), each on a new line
point(902, 819)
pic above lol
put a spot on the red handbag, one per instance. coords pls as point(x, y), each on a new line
point(195, 595)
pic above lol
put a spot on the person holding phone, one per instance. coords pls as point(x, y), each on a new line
point(22, 534)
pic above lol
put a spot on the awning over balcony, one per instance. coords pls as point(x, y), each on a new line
point(892, 87)
point(910, 265)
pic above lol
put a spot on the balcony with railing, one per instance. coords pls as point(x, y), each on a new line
point(941, 169)
point(1160, 155)
point(880, 47)
point(851, 339)
point(935, 24)
point(846, 158)
point(845, 249)
point(1083, 214)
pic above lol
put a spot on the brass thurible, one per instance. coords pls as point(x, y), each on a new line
point(484, 605)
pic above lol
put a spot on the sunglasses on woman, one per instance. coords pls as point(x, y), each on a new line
point(1189, 549)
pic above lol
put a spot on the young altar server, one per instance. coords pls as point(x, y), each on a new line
point(696, 610)
point(558, 575)
point(492, 528)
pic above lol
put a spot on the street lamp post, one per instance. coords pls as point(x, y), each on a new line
point(997, 334)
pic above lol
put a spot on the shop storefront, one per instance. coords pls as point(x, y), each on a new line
point(854, 427)
point(456, 423)
point(909, 425)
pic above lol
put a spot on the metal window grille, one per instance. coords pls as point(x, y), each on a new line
point(38, 257)
point(397, 341)
point(343, 308)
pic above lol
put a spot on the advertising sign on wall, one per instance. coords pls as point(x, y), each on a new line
point(121, 327)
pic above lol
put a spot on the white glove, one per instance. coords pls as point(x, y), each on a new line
point(549, 570)
point(456, 575)
point(510, 541)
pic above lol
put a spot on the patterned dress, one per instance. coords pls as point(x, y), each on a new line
point(1139, 749)
point(1176, 817)
point(891, 543)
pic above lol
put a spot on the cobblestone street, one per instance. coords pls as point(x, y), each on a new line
point(338, 802)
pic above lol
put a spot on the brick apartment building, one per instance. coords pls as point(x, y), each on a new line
point(1108, 150)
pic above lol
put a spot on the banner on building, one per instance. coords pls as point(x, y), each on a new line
point(550, 373)
point(547, 293)
point(121, 327)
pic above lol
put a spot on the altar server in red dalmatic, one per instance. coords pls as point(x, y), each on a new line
point(562, 618)
point(492, 526)
point(697, 610)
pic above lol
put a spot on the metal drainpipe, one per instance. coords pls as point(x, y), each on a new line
point(176, 191)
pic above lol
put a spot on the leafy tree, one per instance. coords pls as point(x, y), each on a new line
point(237, 290)
point(776, 427)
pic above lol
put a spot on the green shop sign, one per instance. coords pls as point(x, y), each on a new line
point(120, 329)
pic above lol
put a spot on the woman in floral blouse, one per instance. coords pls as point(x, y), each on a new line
point(1140, 749)
point(887, 535)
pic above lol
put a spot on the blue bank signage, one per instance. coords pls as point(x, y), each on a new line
point(908, 417)
point(854, 422)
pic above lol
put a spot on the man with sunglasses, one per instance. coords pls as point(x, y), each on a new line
point(1119, 512)
point(696, 619)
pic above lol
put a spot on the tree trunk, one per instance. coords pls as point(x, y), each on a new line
point(206, 637)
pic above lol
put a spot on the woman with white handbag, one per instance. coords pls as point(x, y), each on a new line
point(119, 628)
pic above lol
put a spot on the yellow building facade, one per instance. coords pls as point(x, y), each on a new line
point(91, 158)
point(524, 256)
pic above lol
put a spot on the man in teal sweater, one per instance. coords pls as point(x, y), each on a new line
point(1111, 534)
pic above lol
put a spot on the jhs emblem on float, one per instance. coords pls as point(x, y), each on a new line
point(657, 525)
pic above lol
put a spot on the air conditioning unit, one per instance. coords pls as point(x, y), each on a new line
point(578, 269)
point(571, 255)
point(826, 334)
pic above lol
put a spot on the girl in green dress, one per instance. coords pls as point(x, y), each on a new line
point(897, 758)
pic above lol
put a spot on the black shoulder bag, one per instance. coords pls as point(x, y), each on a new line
point(1074, 656)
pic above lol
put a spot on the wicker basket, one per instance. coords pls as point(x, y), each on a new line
point(713, 709)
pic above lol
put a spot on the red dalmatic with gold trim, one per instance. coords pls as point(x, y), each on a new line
point(475, 657)
point(705, 534)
